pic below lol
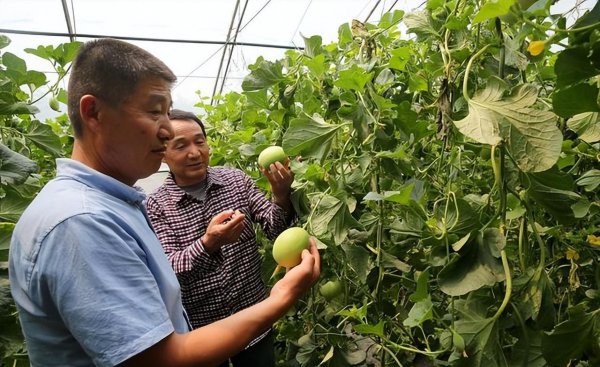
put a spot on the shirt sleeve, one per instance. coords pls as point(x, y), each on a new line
point(103, 289)
point(185, 258)
point(272, 218)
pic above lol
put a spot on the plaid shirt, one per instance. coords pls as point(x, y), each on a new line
point(216, 285)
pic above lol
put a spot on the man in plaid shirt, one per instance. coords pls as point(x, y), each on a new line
point(204, 219)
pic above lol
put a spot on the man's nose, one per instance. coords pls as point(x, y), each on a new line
point(165, 130)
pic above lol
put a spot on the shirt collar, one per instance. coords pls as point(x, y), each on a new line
point(78, 171)
point(212, 178)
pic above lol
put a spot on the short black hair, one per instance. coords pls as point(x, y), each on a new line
point(176, 114)
point(110, 69)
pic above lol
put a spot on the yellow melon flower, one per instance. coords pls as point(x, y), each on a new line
point(593, 240)
point(536, 47)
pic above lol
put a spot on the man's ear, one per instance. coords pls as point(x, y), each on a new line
point(89, 110)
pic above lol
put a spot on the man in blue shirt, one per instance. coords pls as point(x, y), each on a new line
point(88, 275)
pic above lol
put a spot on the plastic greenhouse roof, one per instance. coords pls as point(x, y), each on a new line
point(173, 31)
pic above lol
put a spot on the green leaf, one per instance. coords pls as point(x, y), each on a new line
point(12, 206)
point(6, 230)
point(474, 268)
point(492, 9)
point(552, 190)
point(13, 62)
point(481, 338)
point(586, 126)
point(403, 197)
point(575, 99)
point(370, 329)
point(14, 167)
point(44, 52)
point(43, 136)
point(316, 65)
point(356, 112)
point(4, 41)
point(354, 78)
point(357, 258)
point(513, 56)
point(494, 240)
point(408, 222)
point(400, 56)
point(532, 136)
point(309, 136)
point(390, 261)
point(18, 108)
point(536, 299)
point(419, 313)
point(35, 78)
point(589, 180)
point(332, 215)
point(572, 66)
point(570, 338)
point(420, 23)
point(258, 98)
point(528, 350)
point(264, 74)
point(390, 19)
point(422, 291)
point(313, 46)
point(344, 34)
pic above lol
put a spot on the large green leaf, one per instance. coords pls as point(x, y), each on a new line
point(481, 339)
point(532, 136)
point(312, 46)
point(6, 230)
point(570, 338)
point(43, 136)
point(528, 350)
point(586, 125)
point(14, 167)
point(354, 78)
point(264, 74)
point(573, 66)
point(14, 63)
point(575, 99)
point(12, 206)
point(474, 268)
point(17, 108)
point(590, 180)
point(536, 297)
point(309, 136)
point(552, 190)
point(420, 312)
point(332, 215)
point(420, 23)
point(492, 9)
point(357, 258)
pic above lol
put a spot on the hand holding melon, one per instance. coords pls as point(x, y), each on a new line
point(271, 155)
point(288, 246)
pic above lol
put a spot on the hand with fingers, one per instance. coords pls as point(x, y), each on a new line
point(281, 178)
point(224, 228)
point(300, 278)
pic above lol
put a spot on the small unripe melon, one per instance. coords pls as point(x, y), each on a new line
point(271, 155)
point(331, 289)
point(288, 246)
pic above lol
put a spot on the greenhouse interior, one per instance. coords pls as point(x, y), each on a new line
point(300, 183)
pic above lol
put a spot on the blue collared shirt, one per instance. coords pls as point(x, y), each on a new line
point(89, 276)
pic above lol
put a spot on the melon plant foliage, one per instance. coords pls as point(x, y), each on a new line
point(28, 148)
point(451, 176)
point(449, 172)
